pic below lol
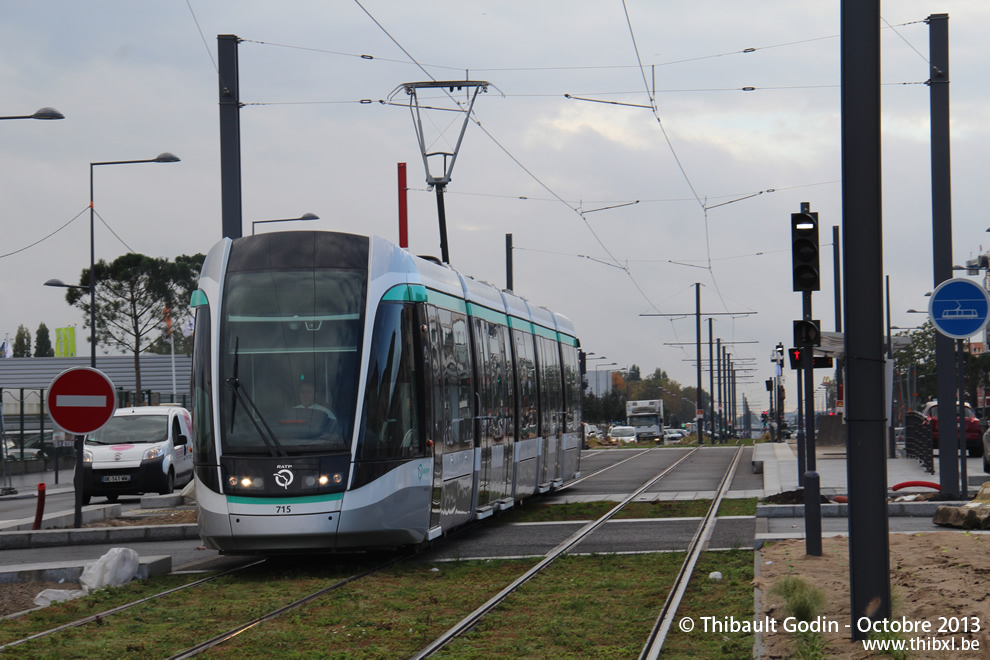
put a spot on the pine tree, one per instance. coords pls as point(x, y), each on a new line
point(22, 342)
point(43, 342)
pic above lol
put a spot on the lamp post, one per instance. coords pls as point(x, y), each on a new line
point(588, 359)
point(164, 157)
point(597, 366)
point(303, 218)
point(43, 113)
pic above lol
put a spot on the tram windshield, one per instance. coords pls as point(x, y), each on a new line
point(291, 345)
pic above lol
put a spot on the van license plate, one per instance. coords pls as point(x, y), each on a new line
point(116, 478)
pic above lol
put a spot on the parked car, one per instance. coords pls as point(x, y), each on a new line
point(974, 433)
point(141, 450)
point(986, 451)
point(15, 452)
point(672, 435)
point(622, 434)
point(34, 448)
point(591, 431)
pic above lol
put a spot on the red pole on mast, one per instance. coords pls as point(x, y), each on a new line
point(403, 209)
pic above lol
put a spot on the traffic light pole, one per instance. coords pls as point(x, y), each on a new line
point(802, 463)
point(812, 481)
point(807, 278)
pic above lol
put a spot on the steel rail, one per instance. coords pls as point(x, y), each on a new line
point(472, 619)
point(121, 608)
point(651, 649)
point(597, 472)
point(233, 632)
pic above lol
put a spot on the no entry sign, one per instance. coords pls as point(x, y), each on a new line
point(81, 400)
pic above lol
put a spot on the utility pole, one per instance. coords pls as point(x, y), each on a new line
point(698, 412)
point(711, 379)
point(230, 136)
point(508, 262)
point(697, 326)
point(938, 85)
point(862, 251)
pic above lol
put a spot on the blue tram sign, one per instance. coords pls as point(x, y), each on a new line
point(959, 308)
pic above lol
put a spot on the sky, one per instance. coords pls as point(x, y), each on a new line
point(617, 209)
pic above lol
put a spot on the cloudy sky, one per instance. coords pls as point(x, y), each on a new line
point(700, 191)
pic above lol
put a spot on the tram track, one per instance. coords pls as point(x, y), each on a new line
point(470, 622)
point(668, 611)
point(99, 617)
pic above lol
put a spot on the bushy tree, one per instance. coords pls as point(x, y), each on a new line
point(132, 293)
point(43, 342)
point(920, 356)
point(22, 343)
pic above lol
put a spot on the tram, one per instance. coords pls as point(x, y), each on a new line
point(348, 395)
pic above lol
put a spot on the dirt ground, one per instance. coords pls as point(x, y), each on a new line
point(933, 576)
point(19, 596)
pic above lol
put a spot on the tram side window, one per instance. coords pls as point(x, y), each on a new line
point(501, 402)
point(390, 428)
point(441, 415)
point(572, 387)
point(464, 420)
point(204, 447)
point(526, 379)
point(493, 385)
point(551, 403)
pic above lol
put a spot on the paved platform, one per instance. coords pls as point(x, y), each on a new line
point(780, 470)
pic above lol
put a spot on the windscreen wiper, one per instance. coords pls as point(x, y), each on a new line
point(274, 447)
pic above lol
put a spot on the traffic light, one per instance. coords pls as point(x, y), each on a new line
point(795, 355)
point(804, 251)
point(807, 333)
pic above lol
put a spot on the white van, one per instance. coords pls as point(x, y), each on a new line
point(144, 449)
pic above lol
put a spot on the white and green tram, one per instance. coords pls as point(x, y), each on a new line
point(348, 395)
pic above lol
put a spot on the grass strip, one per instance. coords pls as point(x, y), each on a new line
point(732, 596)
point(164, 626)
point(546, 512)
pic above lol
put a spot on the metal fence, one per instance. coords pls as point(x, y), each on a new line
point(28, 433)
point(918, 441)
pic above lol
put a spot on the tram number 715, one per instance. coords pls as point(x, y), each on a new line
point(283, 508)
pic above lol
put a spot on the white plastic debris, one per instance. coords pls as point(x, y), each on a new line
point(116, 567)
point(715, 575)
point(113, 569)
point(49, 596)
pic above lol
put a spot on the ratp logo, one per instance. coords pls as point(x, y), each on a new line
point(283, 478)
point(422, 469)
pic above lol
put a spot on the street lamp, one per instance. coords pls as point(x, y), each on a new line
point(164, 157)
point(608, 364)
point(303, 218)
point(43, 113)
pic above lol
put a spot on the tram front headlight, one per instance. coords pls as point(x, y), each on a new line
point(324, 480)
point(253, 483)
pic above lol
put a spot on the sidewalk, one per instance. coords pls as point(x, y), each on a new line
point(780, 470)
point(26, 485)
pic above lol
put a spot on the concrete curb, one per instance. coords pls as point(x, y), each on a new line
point(45, 538)
point(90, 514)
point(69, 571)
point(909, 509)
